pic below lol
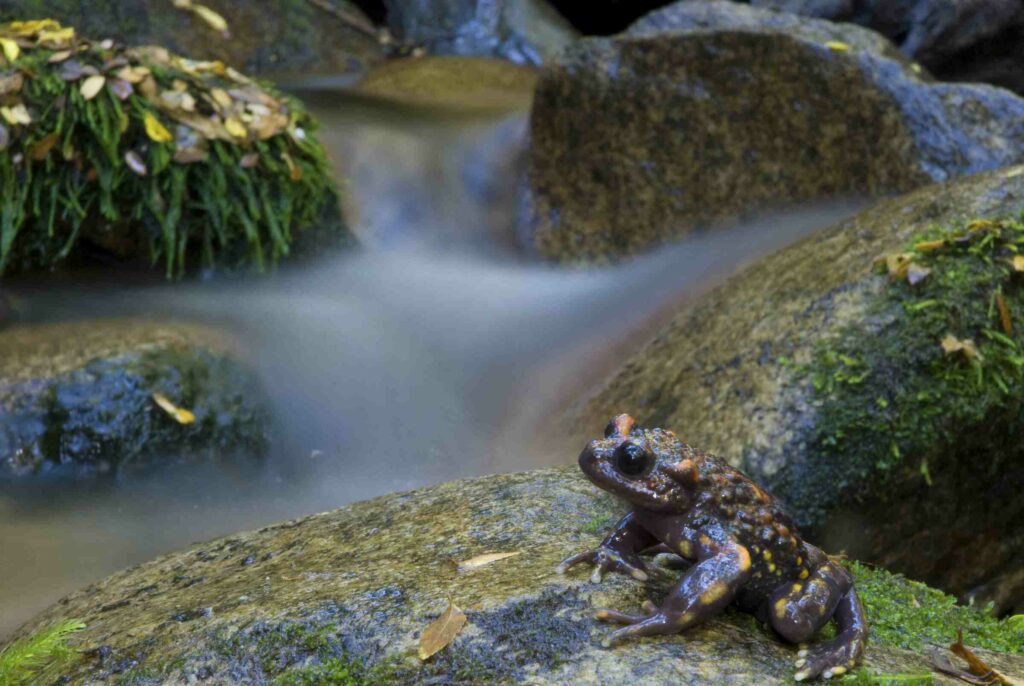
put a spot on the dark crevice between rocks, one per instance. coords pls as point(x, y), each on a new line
point(375, 10)
point(605, 18)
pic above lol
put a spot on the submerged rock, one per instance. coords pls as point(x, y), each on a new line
point(830, 382)
point(343, 597)
point(706, 111)
point(79, 399)
point(264, 36)
point(525, 31)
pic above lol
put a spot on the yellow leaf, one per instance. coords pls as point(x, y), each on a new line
point(221, 97)
point(10, 48)
point(58, 57)
point(16, 115)
point(294, 170)
point(212, 19)
point(896, 266)
point(484, 560)
point(929, 246)
point(181, 416)
point(92, 86)
point(951, 345)
point(41, 149)
point(155, 130)
point(442, 631)
point(837, 46)
point(1018, 263)
point(235, 127)
point(23, 29)
point(56, 38)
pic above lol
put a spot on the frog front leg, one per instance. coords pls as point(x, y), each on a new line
point(618, 552)
point(704, 591)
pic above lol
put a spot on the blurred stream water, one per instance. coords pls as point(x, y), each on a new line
point(437, 353)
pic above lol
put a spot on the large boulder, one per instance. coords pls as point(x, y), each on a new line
point(147, 157)
point(84, 398)
point(343, 598)
point(857, 396)
point(526, 31)
point(705, 111)
point(263, 36)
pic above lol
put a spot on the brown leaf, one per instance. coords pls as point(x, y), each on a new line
point(442, 631)
point(148, 87)
point(484, 560)
point(190, 155)
point(294, 170)
point(952, 345)
point(41, 149)
point(135, 163)
point(10, 85)
point(1004, 314)
point(975, 664)
point(249, 160)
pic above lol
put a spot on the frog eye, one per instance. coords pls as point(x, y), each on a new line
point(632, 459)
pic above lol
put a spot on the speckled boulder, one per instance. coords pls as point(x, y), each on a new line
point(715, 109)
point(524, 31)
point(78, 399)
point(266, 36)
point(342, 598)
point(762, 370)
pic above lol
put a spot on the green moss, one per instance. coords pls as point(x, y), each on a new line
point(214, 211)
point(864, 677)
point(890, 398)
point(600, 525)
point(22, 661)
point(909, 614)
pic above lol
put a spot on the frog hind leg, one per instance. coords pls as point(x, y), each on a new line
point(799, 610)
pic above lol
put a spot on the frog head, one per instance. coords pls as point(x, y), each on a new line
point(647, 467)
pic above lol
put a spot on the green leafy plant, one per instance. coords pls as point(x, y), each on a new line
point(21, 661)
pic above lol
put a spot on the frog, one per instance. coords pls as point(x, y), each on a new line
point(740, 545)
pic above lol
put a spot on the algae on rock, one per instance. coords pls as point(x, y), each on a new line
point(145, 155)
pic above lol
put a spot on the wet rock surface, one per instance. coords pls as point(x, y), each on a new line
point(267, 36)
point(347, 593)
point(735, 375)
point(525, 32)
point(77, 399)
point(706, 111)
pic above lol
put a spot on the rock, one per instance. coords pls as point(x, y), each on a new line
point(158, 161)
point(707, 111)
point(266, 36)
point(828, 382)
point(833, 10)
point(346, 595)
point(77, 399)
point(526, 31)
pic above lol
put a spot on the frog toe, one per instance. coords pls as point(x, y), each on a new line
point(825, 660)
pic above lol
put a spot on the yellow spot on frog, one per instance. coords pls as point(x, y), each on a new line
point(780, 607)
point(799, 560)
point(686, 618)
point(768, 555)
point(744, 559)
point(704, 540)
point(837, 46)
point(686, 549)
point(804, 574)
point(797, 588)
point(771, 566)
point(715, 592)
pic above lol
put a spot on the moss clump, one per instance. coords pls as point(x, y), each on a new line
point(21, 661)
point(891, 397)
point(141, 153)
point(909, 614)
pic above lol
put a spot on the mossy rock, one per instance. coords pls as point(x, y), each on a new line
point(828, 381)
point(342, 597)
point(79, 399)
point(719, 110)
point(266, 36)
point(139, 155)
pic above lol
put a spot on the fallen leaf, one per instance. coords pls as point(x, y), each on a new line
point(92, 86)
point(135, 163)
point(41, 149)
point(148, 87)
point(235, 127)
point(212, 19)
point(56, 38)
point(952, 345)
point(190, 155)
point(981, 225)
point(221, 97)
point(442, 631)
point(294, 170)
point(1018, 263)
point(70, 70)
point(155, 130)
point(181, 416)
point(12, 84)
point(1004, 315)
point(916, 274)
point(132, 74)
point(896, 265)
point(25, 29)
point(975, 664)
point(120, 88)
point(837, 46)
point(59, 56)
point(484, 560)
point(929, 246)
point(249, 160)
point(10, 49)
point(17, 114)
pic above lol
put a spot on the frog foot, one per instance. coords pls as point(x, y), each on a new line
point(605, 560)
point(828, 659)
point(652, 622)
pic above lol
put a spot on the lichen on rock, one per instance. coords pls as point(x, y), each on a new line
point(141, 154)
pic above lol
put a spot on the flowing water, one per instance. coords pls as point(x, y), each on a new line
point(437, 353)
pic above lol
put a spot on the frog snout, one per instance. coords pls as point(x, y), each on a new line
point(587, 458)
